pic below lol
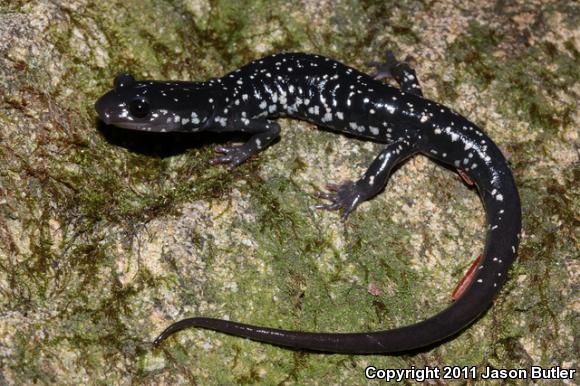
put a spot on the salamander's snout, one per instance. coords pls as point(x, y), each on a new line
point(101, 108)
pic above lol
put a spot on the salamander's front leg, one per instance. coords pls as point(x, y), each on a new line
point(348, 195)
point(265, 133)
point(400, 71)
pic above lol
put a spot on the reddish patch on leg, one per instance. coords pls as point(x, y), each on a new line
point(465, 177)
point(466, 280)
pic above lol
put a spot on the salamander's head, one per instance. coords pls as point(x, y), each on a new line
point(155, 106)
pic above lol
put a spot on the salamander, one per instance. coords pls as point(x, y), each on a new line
point(335, 96)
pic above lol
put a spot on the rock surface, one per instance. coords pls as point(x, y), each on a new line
point(107, 237)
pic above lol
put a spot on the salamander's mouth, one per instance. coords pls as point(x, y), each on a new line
point(141, 126)
point(129, 125)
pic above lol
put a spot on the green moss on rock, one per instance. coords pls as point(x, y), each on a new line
point(108, 236)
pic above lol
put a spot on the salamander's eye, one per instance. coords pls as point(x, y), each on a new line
point(123, 80)
point(139, 108)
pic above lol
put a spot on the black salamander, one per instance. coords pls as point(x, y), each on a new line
point(333, 95)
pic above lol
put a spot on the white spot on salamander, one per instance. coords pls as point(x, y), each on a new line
point(194, 118)
point(314, 110)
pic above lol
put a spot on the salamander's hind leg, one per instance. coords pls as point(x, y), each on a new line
point(348, 195)
point(265, 132)
point(400, 71)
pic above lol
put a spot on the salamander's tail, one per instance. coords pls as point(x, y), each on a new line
point(502, 206)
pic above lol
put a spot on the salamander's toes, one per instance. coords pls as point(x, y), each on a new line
point(234, 156)
point(220, 160)
point(222, 149)
point(332, 206)
point(323, 195)
point(383, 70)
point(345, 196)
